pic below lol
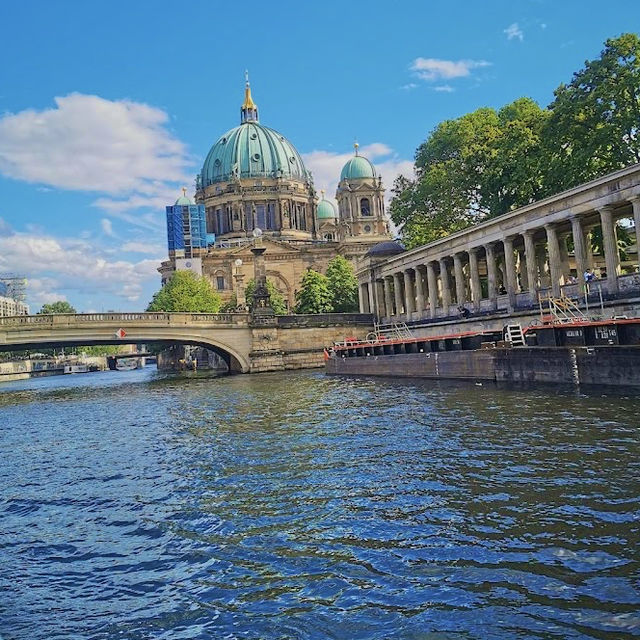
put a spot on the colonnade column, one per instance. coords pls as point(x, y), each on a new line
point(409, 300)
point(510, 268)
point(579, 249)
point(555, 266)
point(610, 243)
point(433, 289)
point(388, 302)
point(474, 273)
point(381, 303)
point(635, 203)
point(372, 299)
point(419, 291)
point(446, 286)
point(459, 274)
point(361, 298)
point(530, 256)
point(492, 279)
point(397, 291)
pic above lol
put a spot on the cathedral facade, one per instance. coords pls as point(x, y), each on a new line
point(254, 183)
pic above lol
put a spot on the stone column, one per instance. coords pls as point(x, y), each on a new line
point(433, 289)
point(361, 298)
point(461, 296)
point(510, 268)
point(532, 270)
point(555, 265)
point(635, 203)
point(446, 286)
point(580, 252)
point(419, 291)
point(610, 243)
point(397, 291)
point(388, 302)
point(491, 275)
point(522, 272)
point(564, 258)
point(381, 304)
point(474, 273)
point(409, 300)
point(372, 300)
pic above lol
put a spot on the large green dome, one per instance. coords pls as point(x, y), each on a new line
point(252, 151)
point(357, 167)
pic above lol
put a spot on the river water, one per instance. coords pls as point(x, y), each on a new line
point(141, 506)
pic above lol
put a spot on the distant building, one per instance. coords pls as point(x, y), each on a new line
point(11, 307)
point(254, 178)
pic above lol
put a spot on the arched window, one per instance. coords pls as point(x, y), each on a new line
point(365, 207)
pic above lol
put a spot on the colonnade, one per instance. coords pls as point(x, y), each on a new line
point(504, 273)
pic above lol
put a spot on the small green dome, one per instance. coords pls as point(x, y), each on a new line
point(357, 167)
point(252, 151)
point(183, 201)
point(326, 210)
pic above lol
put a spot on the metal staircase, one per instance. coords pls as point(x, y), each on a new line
point(560, 310)
point(393, 331)
point(513, 334)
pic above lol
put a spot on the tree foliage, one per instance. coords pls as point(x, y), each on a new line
point(343, 285)
point(314, 295)
point(186, 291)
point(489, 162)
point(595, 119)
point(60, 306)
point(278, 303)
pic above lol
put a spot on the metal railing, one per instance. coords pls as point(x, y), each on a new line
point(151, 317)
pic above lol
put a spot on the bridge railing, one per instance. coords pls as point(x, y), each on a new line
point(111, 318)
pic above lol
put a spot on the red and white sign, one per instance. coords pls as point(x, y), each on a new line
point(121, 333)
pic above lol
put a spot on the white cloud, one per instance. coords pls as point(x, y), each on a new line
point(119, 148)
point(446, 88)
point(142, 247)
point(409, 86)
point(107, 227)
point(327, 165)
point(514, 31)
point(68, 267)
point(431, 69)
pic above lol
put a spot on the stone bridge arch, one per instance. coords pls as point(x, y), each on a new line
point(228, 335)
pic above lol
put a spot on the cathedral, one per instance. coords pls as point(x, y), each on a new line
point(253, 183)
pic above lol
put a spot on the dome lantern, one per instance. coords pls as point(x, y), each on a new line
point(249, 109)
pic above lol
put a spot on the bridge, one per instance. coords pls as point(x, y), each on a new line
point(247, 344)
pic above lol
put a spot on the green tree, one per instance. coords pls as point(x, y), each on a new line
point(186, 291)
point(314, 295)
point(343, 285)
point(480, 165)
point(595, 119)
point(60, 306)
point(278, 303)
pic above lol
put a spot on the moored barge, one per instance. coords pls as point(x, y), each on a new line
point(604, 352)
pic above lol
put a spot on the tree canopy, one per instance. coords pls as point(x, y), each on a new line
point(489, 162)
point(343, 285)
point(59, 306)
point(314, 295)
point(186, 291)
point(278, 303)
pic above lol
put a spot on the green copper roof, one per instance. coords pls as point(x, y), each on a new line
point(326, 210)
point(357, 167)
point(183, 201)
point(252, 151)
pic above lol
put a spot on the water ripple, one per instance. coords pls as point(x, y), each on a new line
point(137, 506)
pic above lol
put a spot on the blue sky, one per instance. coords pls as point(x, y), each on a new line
point(107, 109)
